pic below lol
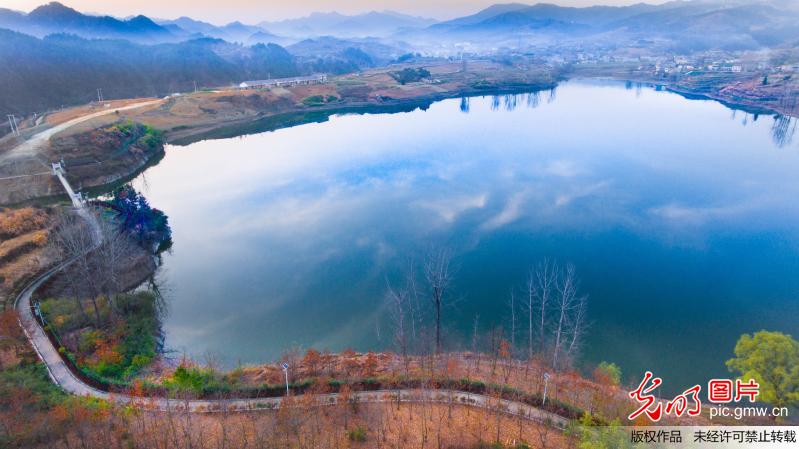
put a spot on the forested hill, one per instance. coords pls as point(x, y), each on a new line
point(41, 74)
point(64, 69)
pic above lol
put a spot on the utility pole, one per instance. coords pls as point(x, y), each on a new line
point(286, 371)
point(546, 385)
point(12, 122)
point(99, 95)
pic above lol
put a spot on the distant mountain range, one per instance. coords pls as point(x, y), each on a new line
point(697, 24)
point(232, 32)
point(736, 24)
point(371, 24)
point(57, 18)
point(61, 56)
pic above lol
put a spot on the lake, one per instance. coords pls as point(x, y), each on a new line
point(680, 216)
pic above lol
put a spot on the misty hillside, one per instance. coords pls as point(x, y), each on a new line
point(376, 52)
point(57, 18)
point(54, 18)
point(374, 24)
point(232, 32)
point(64, 70)
point(700, 24)
point(58, 56)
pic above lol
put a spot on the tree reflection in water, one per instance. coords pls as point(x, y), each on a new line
point(509, 101)
point(782, 130)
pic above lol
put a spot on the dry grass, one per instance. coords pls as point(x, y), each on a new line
point(298, 426)
point(23, 236)
point(79, 111)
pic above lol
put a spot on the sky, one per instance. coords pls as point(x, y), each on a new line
point(253, 11)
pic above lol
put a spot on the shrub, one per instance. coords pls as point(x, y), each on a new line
point(485, 445)
point(33, 380)
point(409, 75)
point(40, 238)
point(15, 222)
point(318, 100)
point(148, 224)
point(87, 342)
point(118, 351)
point(357, 434)
point(189, 378)
point(608, 373)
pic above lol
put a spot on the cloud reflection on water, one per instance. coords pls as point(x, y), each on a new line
point(287, 237)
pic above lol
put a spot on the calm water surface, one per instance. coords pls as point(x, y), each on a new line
point(681, 218)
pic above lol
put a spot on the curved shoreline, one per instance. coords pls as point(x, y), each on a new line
point(265, 122)
point(61, 375)
point(739, 104)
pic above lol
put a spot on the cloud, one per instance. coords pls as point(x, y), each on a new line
point(564, 199)
point(698, 215)
point(450, 208)
point(508, 214)
point(564, 168)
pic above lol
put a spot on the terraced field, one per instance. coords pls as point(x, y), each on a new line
point(23, 241)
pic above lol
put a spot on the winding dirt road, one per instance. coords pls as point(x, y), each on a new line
point(31, 146)
point(63, 377)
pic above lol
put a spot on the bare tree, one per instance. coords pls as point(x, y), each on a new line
point(475, 353)
point(72, 239)
point(570, 312)
point(540, 285)
point(97, 264)
point(578, 326)
point(438, 274)
point(109, 258)
point(530, 307)
point(512, 307)
point(398, 301)
point(556, 311)
point(414, 315)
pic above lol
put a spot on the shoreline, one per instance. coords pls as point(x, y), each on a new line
point(68, 377)
point(738, 104)
point(320, 114)
point(184, 135)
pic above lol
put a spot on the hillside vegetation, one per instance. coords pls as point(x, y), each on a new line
point(62, 70)
point(24, 234)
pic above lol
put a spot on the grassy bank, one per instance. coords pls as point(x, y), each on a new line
point(113, 349)
point(324, 110)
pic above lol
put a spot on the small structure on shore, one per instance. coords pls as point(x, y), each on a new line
point(280, 82)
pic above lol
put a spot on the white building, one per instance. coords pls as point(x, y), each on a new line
point(280, 82)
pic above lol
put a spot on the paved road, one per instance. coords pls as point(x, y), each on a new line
point(33, 144)
point(63, 377)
